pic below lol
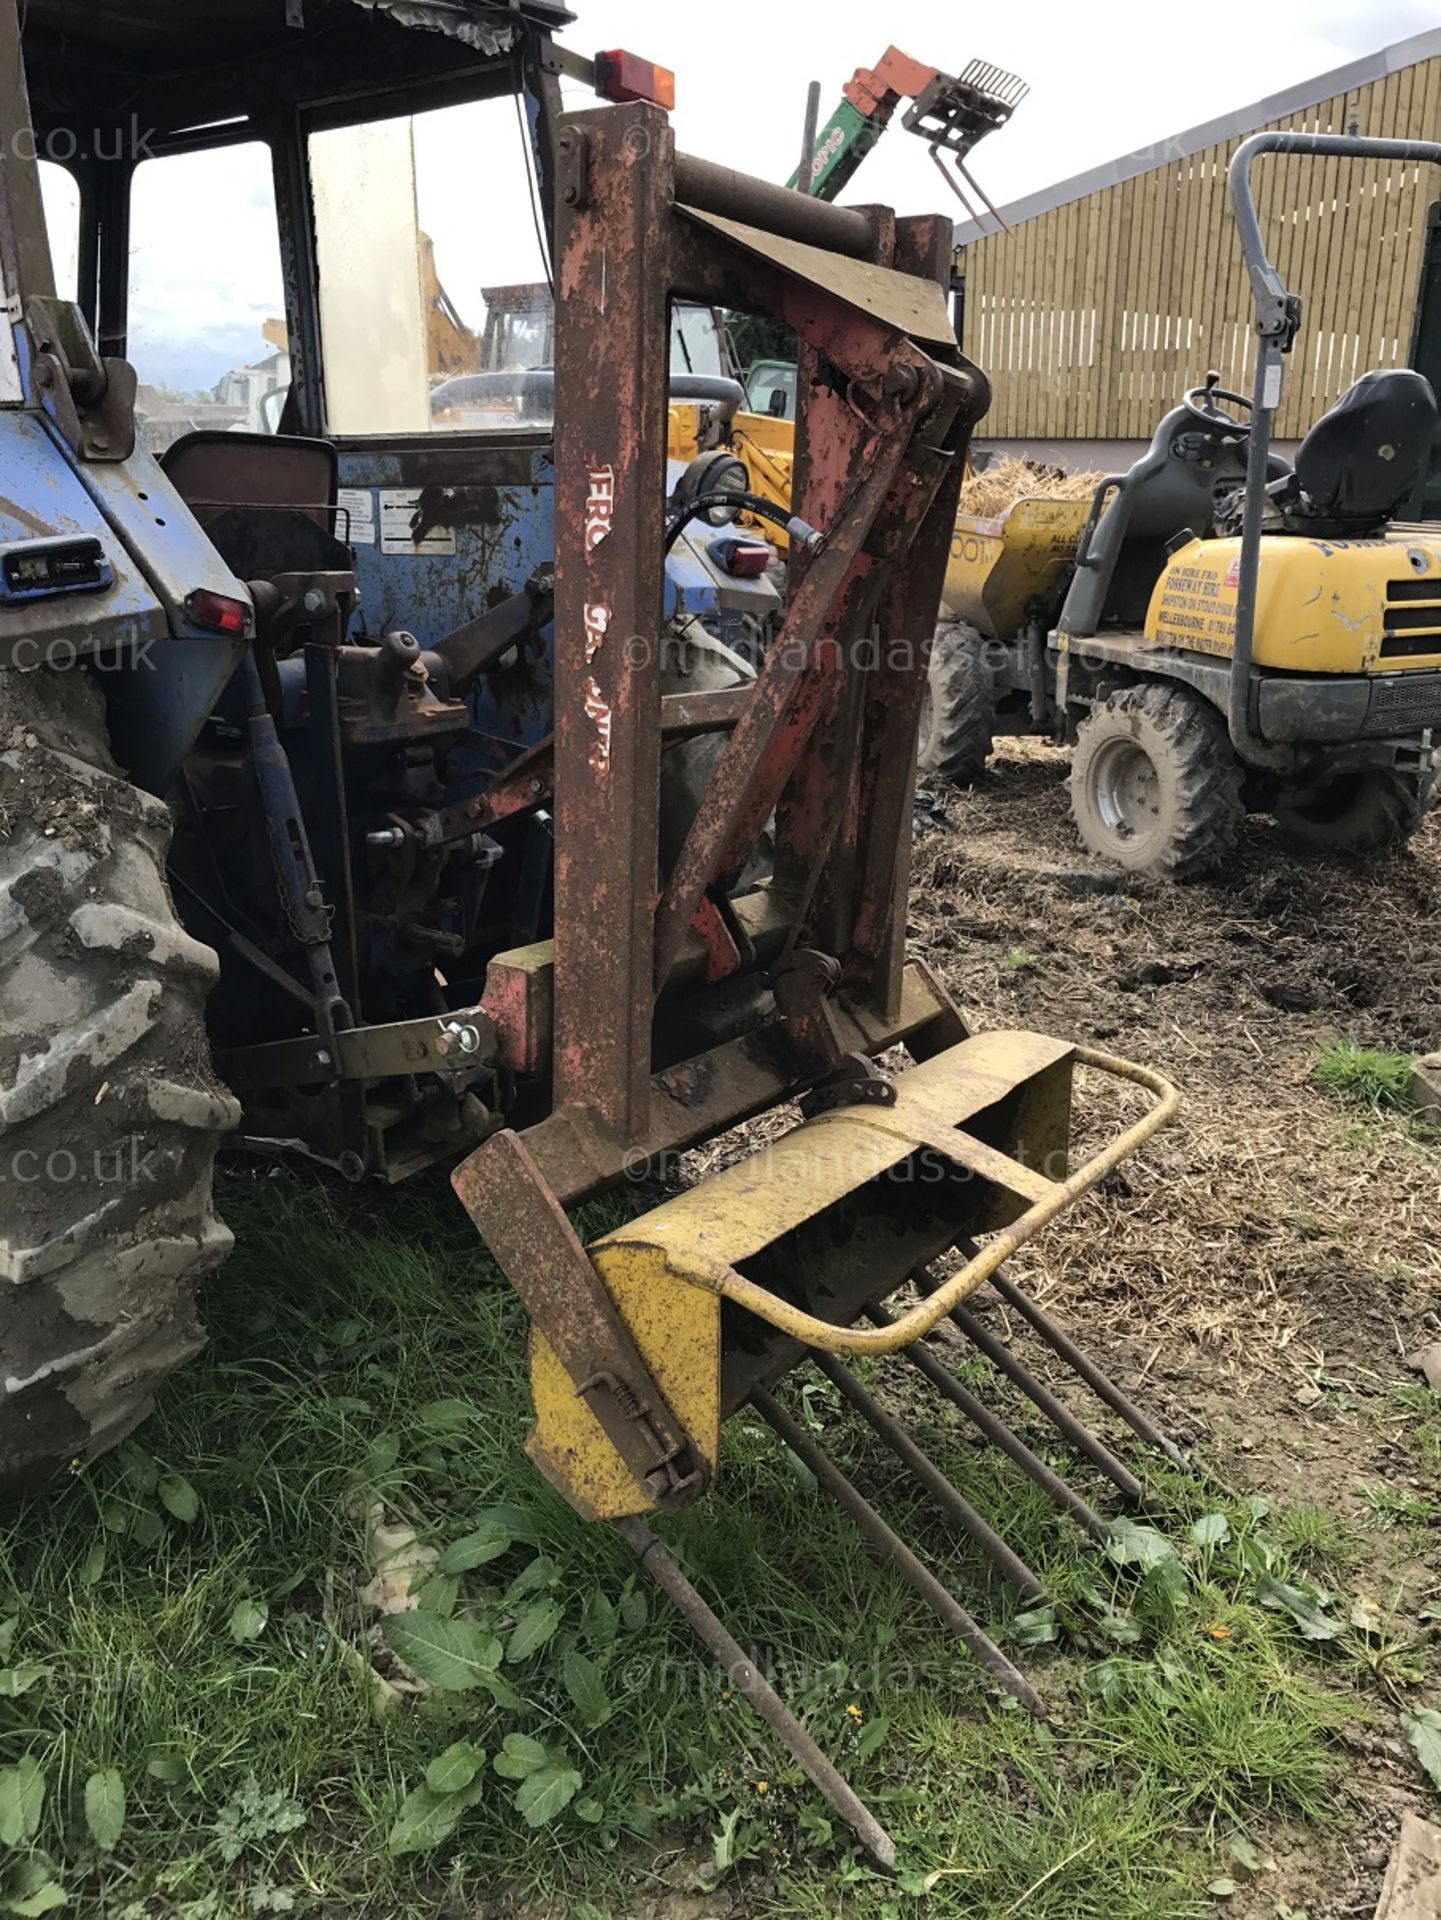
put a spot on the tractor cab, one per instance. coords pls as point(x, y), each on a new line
point(349, 380)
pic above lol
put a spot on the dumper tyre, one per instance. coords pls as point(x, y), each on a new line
point(958, 706)
point(110, 1112)
point(1372, 811)
point(1155, 784)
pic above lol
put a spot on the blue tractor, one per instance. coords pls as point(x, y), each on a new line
point(275, 707)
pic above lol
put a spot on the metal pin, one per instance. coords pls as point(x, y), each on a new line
point(947, 1609)
point(1080, 1363)
point(948, 1497)
point(997, 1432)
point(744, 1677)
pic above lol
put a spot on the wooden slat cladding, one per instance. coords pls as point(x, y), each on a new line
point(1091, 318)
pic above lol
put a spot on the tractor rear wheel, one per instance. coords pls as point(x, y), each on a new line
point(109, 1111)
point(1155, 786)
point(1367, 812)
point(958, 706)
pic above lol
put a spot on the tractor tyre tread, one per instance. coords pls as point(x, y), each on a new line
point(958, 726)
point(110, 1113)
point(1382, 813)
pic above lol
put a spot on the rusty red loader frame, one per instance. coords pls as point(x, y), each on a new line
point(675, 1004)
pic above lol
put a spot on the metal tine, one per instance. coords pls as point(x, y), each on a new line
point(743, 1676)
point(981, 194)
point(996, 1431)
point(1040, 1396)
point(1009, 88)
point(1081, 1363)
point(946, 1495)
point(947, 1609)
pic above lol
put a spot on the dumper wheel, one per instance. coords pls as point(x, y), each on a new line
point(1365, 812)
point(958, 706)
point(109, 1110)
point(1155, 786)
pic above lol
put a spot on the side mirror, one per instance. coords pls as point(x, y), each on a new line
point(272, 407)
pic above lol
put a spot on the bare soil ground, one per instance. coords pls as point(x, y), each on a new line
point(1266, 1265)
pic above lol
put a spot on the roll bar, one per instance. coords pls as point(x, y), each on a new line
point(1278, 320)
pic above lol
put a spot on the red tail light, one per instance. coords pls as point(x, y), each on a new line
point(625, 76)
point(218, 612)
point(743, 559)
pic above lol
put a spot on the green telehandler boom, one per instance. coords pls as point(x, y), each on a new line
point(952, 114)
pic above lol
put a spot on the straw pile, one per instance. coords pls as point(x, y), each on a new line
point(1007, 479)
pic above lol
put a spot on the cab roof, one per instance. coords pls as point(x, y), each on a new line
point(173, 64)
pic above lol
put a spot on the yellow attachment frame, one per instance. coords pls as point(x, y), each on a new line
point(848, 1202)
point(883, 1137)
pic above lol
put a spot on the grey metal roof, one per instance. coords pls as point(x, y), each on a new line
point(1227, 126)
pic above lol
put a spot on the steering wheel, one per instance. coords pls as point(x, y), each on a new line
point(1201, 404)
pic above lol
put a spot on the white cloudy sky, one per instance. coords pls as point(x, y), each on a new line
point(1106, 78)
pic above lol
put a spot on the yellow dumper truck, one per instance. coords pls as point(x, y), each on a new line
point(1218, 632)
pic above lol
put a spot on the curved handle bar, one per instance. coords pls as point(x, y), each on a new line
point(1278, 320)
point(919, 1321)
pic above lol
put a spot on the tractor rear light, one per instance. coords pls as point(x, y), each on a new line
point(625, 76)
point(217, 612)
point(743, 559)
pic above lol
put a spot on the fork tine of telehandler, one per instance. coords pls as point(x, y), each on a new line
point(754, 1687)
point(947, 1609)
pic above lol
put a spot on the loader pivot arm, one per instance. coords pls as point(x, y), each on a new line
point(678, 999)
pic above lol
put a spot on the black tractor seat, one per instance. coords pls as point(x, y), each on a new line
point(1363, 457)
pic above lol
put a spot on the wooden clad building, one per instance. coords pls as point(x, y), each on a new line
point(1114, 291)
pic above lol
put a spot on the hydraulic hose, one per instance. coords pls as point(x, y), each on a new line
point(801, 532)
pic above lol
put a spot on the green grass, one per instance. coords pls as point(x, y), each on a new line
point(1314, 1540)
point(365, 1350)
point(1390, 1507)
point(1422, 1406)
point(1362, 1074)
